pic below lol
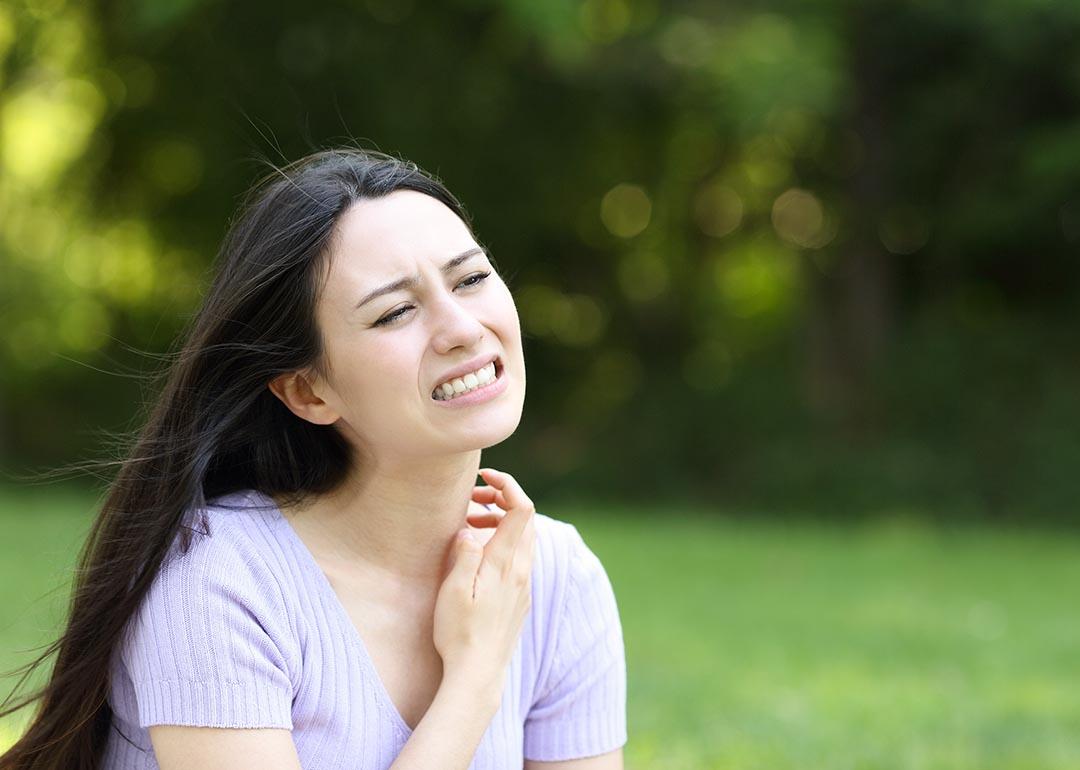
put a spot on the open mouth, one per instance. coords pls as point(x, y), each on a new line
point(440, 393)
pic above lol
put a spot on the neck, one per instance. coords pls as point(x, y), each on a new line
point(394, 521)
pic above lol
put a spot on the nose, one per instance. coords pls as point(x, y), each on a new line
point(454, 325)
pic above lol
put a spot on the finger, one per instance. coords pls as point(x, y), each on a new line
point(526, 547)
point(485, 495)
point(484, 519)
point(490, 496)
point(506, 485)
point(481, 513)
point(500, 549)
point(484, 509)
point(467, 556)
point(475, 507)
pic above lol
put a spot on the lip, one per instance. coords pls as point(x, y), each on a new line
point(469, 366)
point(493, 389)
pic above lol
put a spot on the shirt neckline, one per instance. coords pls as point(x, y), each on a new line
point(309, 562)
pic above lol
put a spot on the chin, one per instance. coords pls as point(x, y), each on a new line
point(495, 428)
point(499, 429)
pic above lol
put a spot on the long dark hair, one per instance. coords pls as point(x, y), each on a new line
point(213, 428)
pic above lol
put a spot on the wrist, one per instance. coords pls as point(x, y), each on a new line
point(471, 693)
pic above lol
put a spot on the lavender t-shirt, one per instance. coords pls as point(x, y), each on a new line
point(245, 630)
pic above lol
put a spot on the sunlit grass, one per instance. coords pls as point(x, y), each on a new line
point(769, 645)
point(42, 532)
point(756, 645)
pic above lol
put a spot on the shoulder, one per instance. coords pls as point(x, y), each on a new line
point(212, 641)
point(231, 536)
point(566, 571)
point(562, 546)
point(227, 571)
point(578, 701)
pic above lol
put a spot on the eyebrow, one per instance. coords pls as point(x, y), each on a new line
point(410, 281)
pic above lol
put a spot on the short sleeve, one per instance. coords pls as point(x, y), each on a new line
point(581, 711)
point(210, 643)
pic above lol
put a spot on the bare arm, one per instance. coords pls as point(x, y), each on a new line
point(613, 760)
point(449, 733)
point(178, 747)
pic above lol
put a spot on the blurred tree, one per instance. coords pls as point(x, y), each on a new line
point(743, 238)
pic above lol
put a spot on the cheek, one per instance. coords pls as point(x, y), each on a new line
point(388, 367)
point(372, 373)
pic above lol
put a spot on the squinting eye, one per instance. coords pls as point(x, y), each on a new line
point(473, 280)
point(478, 276)
point(390, 318)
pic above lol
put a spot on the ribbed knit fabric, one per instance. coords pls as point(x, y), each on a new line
point(245, 630)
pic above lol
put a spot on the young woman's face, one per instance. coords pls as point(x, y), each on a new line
point(387, 353)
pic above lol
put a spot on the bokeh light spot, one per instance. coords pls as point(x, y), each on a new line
point(82, 261)
point(756, 279)
point(799, 218)
point(576, 320)
point(45, 127)
point(718, 209)
point(686, 42)
point(604, 21)
point(625, 210)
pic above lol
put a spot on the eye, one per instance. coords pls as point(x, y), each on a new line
point(473, 280)
point(478, 276)
point(391, 317)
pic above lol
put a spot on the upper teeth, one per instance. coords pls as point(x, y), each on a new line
point(470, 381)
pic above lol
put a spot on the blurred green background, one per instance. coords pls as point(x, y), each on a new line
point(798, 282)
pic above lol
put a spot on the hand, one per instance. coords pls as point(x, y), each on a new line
point(487, 593)
point(483, 518)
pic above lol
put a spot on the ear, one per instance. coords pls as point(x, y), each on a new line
point(294, 389)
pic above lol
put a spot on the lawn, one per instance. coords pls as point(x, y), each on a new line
point(766, 644)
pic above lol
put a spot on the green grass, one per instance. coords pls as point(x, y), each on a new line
point(753, 644)
point(41, 531)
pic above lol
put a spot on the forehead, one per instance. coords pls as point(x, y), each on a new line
point(381, 239)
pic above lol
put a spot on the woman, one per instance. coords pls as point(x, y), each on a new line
point(277, 577)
